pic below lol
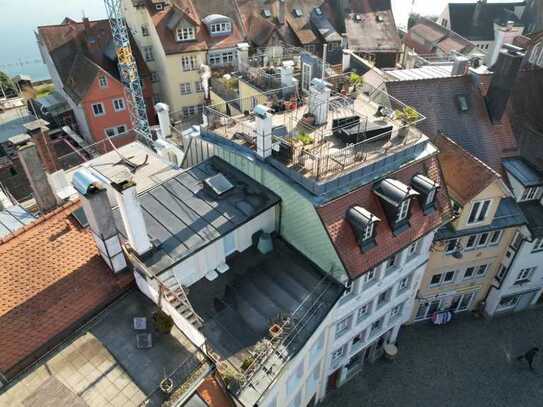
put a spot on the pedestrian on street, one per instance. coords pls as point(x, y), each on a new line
point(529, 356)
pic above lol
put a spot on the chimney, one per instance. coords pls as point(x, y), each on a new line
point(243, 56)
point(163, 112)
point(86, 23)
point(33, 168)
point(460, 65)
point(38, 130)
point(263, 130)
point(504, 77)
point(503, 34)
point(99, 214)
point(346, 60)
point(319, 99)
point(287, 78)
point(282, 12)
point(132, 216)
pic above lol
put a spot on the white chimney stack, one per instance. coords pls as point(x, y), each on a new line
point(319, 99)
point(263, 131)
point(132, 216)
point(346, 60)
point(287, 78)
point(163, 112)
point(243, 56)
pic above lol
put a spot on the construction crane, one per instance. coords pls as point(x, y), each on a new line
point(128, 71)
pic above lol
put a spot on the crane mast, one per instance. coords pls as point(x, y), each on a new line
point(128, 71)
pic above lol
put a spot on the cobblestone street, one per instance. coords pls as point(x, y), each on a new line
point(468, 363)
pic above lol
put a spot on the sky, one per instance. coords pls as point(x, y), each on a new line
point(19, 44)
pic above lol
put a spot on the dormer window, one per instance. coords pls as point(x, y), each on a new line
point(427, 189)
point(363, 223)
point(479, 210)
point(220, 28)
point(159, 6)
point(396, 199)
point(218, 25)
point(531, 193)
point(186, 34)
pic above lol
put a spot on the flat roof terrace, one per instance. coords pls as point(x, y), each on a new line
point(359, 130)
point(240, 309)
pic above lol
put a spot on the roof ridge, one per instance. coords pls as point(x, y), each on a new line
point(39, 221)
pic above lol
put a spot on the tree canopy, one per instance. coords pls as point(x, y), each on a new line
point(7, 85)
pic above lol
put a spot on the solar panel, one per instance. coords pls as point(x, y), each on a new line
point(219, 184)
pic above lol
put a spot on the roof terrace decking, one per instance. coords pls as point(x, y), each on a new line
point(320, 152)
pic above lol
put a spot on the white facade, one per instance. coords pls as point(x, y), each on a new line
point(371, 314)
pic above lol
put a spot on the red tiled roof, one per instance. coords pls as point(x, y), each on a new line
point(342, 235)
point(52, 278)
point(458, 168)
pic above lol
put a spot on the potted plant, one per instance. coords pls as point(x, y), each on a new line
point(304, 138)
point(162, 322)
point(407, 116)
point(356, 81)
point(308, 118)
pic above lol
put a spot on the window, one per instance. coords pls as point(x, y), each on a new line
point(509, 301)
point(189, 111)
point(469, 272)
point(442, 278)
point(404, 284)
point(538, 245)
point(482, 240)
point(449, 276)
point(215, 59)
point(185, 34)
point(431, 197)
point(298, 12)
point(392, 262)
point(220, 28)
point(118, 105)
point(343, 326)
point(495, 237)
point(155, 77)
point(98, 109)
point(148, 54)
point(339, 353)
point(479, 211)
point(403, 210)
point(198, 88)
point(450, 245)
point(383, 298)
point(317, 347)
point(228, 57)
point(115, 131)
point(481, 270)
point(524, 275)
point(413, 250)
point(531, 193)
point(501, 273)
point(358, 340)
point(471, 242)
point(517, 240)
point(368, 231)
point(184, 88)
point(436, 280)
point(363, 312)
point(371, 275)
point(102, 80)
point(189, 63)
point(376, 326)
point(396, 311)
point(145, 30)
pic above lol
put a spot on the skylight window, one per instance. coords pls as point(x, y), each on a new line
point(298, 12)
point(462, 102)
point(318, 11)
point(266, 13)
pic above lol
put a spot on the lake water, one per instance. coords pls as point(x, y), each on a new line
point(19, 53)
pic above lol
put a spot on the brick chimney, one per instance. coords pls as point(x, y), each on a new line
point(38, 131)
point(281, 14)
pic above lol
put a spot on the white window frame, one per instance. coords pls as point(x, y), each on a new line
point(220, 28)
point(392, 262)
point(371, 275)
point(339, 353)
point(525, 274)
point(481, 270)
point(404, 284)
point(148, 54)
point(448, 243)
point(474, 245)
point(480, 238)
point(185, 89)
point(363, 312)
point(116, 131)
point(479, 215)
point(344, 326)
point(375, 329)
point(155, 77)
point(189, 63)
point(396, 311)
point(413, 250)
point(120, 108)
point(198, 87)
point(514, 297)
point(145, 30)
point(403, 210)
point(103, 82)
point(442, 278)
point(431, 197)
point(501, 272)
point(537, 245)
point(495, 238)
point(102, 108)
point(472, 268)
point(387, 295)
point(368, 231)
point(185, 34)
point(530, 194)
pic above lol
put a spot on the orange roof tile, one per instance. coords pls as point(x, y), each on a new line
point(52, 278)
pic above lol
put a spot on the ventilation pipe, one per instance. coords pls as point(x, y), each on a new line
point(33, 168)
point(97, 208)
point(132, 216)
point(163, 112)
point(319, 99)
point(263, 131)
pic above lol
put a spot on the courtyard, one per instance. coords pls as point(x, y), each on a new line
point(470, 362)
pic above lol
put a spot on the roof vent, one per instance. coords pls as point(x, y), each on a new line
point(218, 184)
